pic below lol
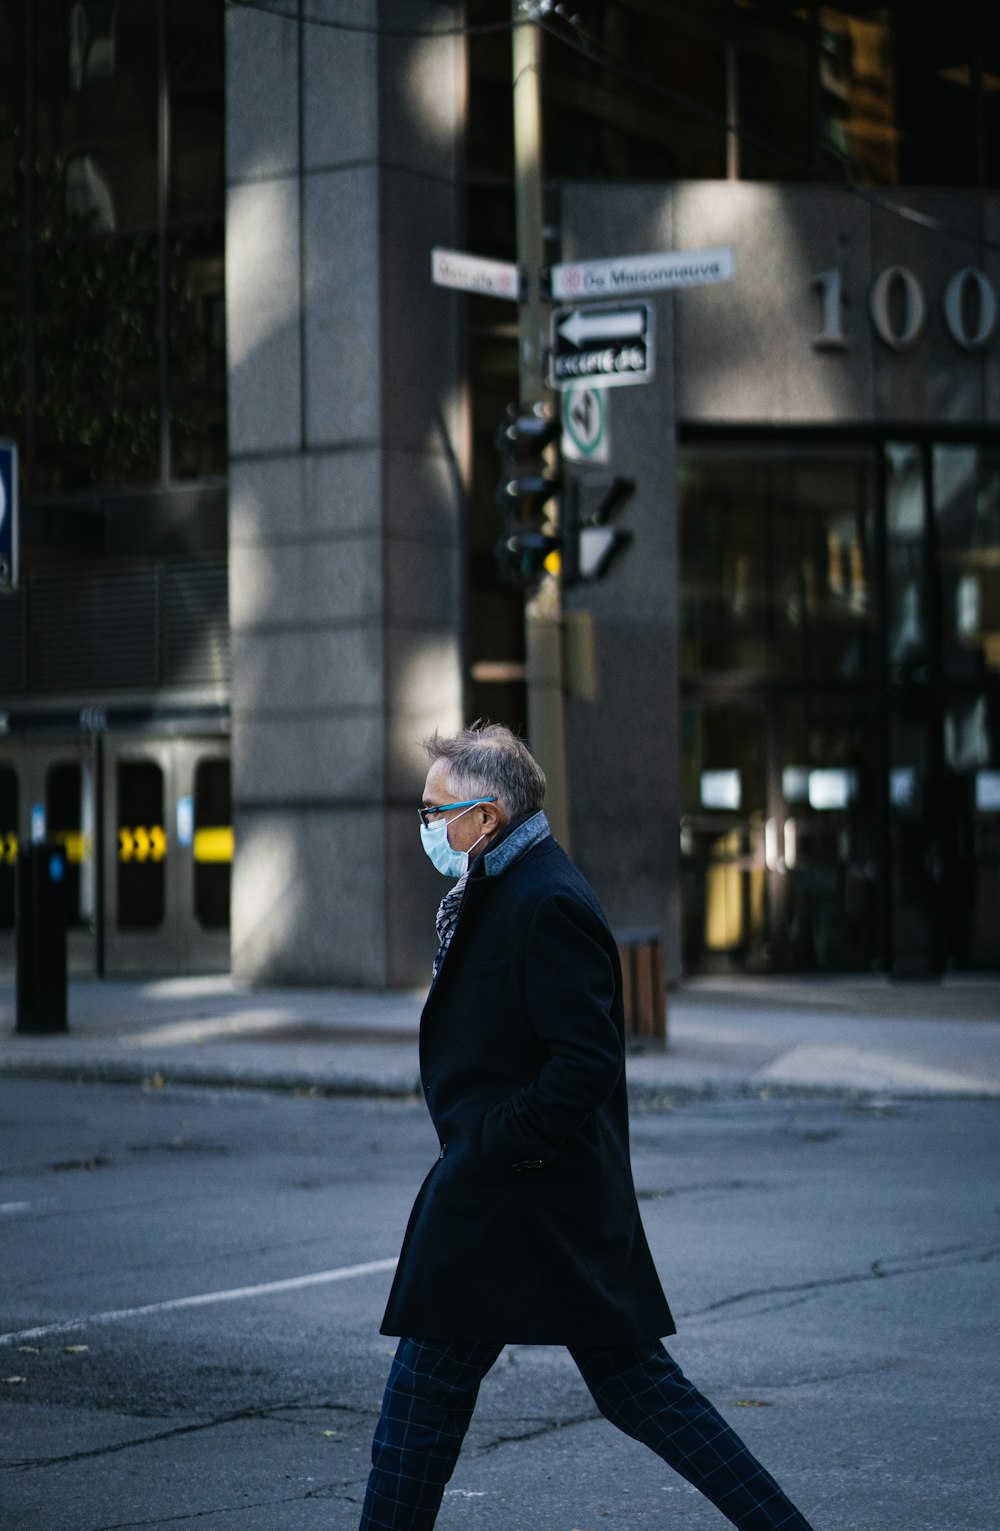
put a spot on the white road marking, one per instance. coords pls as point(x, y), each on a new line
point(6, 1207)
point(202, 1300)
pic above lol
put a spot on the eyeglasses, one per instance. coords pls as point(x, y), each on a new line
point(426, 814)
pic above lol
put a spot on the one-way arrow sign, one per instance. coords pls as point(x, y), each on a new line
point(603, 347)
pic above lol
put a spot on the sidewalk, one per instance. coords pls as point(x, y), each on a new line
point(726, 1036)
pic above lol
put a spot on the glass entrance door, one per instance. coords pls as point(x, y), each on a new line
point(778, 836)
point(840, 660)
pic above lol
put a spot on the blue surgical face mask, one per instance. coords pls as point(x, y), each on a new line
point(434, 839)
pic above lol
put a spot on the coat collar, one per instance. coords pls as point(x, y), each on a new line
point(518, 837)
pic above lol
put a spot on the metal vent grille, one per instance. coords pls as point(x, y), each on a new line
point(94, 632)
point(196, 625)
point(12, 643)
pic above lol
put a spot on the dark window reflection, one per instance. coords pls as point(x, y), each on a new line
point(967, 506)
point(129, 130)
point(97, 80)
point(776, 559)
point(857, 94)
point(774, 91)
point(97, 362)
point(195, 72)
point(989, 22)
point(197, 353)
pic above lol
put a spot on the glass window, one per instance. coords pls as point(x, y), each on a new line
point(598, 122)
point(774, 90)
point(213, 843)
point(97, 407)
point(826, 850)
point(142, 845)
point(857, 101)
point(989, 21)
point(8, 846)
point(69, 814)
point(724, 797)
point(907, 638)
point(12, 71)
point(935, 92)
point(197, 353)
point(967, 516)
point(117, 82)
point(195, 75)
point(12, 327)
point(96, 127)
point(776, 563)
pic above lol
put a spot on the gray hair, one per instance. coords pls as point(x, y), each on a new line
point(487, 760)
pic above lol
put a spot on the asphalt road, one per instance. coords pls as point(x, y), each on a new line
point(832, 1264)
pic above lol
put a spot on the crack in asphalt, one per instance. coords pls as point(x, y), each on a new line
point(273, 1411)
point(193, 1515)
point(548, 1427)
point(879, 1270)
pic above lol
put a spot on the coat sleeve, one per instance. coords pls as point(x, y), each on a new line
point(570, 984)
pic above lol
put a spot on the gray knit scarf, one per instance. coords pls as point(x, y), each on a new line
point(494, 862)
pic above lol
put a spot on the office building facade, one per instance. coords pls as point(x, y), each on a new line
point(258, 473)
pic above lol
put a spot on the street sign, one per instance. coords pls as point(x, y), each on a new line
point(585, 433)
point(604, 347)
point(626, 274)
point(473, 273)
point(8, 515)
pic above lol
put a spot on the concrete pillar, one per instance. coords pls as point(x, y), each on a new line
point(345, 481)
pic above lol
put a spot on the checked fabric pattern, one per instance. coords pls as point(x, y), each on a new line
point(432, 1391)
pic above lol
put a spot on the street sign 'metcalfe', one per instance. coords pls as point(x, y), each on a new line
point(626, 274)
point(474, 273)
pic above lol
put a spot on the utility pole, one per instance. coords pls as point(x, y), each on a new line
point(543, 607)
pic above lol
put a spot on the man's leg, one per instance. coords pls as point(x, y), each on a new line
point(428, 1403)
point(644, 1392)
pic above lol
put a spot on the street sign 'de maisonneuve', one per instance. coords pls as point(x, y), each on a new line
point(623, 275)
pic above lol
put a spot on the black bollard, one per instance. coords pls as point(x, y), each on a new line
point(41, 939)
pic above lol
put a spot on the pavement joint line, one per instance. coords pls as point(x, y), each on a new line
point(202, 1299)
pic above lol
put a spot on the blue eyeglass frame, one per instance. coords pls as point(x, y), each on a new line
point(473, 802)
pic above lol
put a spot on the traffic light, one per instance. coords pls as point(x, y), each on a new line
point(529, 544)
point(590, 502)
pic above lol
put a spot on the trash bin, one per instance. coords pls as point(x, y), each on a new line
point(41, 938)
point(644, 985)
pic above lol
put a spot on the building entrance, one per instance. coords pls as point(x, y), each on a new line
point(146, 823)
point(841, 706)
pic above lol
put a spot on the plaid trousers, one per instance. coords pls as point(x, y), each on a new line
point(432, 1391)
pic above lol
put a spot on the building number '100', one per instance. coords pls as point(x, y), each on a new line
point(898, 308)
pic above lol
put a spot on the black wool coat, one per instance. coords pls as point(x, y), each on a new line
point(526, 1229)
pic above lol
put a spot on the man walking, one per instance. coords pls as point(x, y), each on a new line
point(527, 1229)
